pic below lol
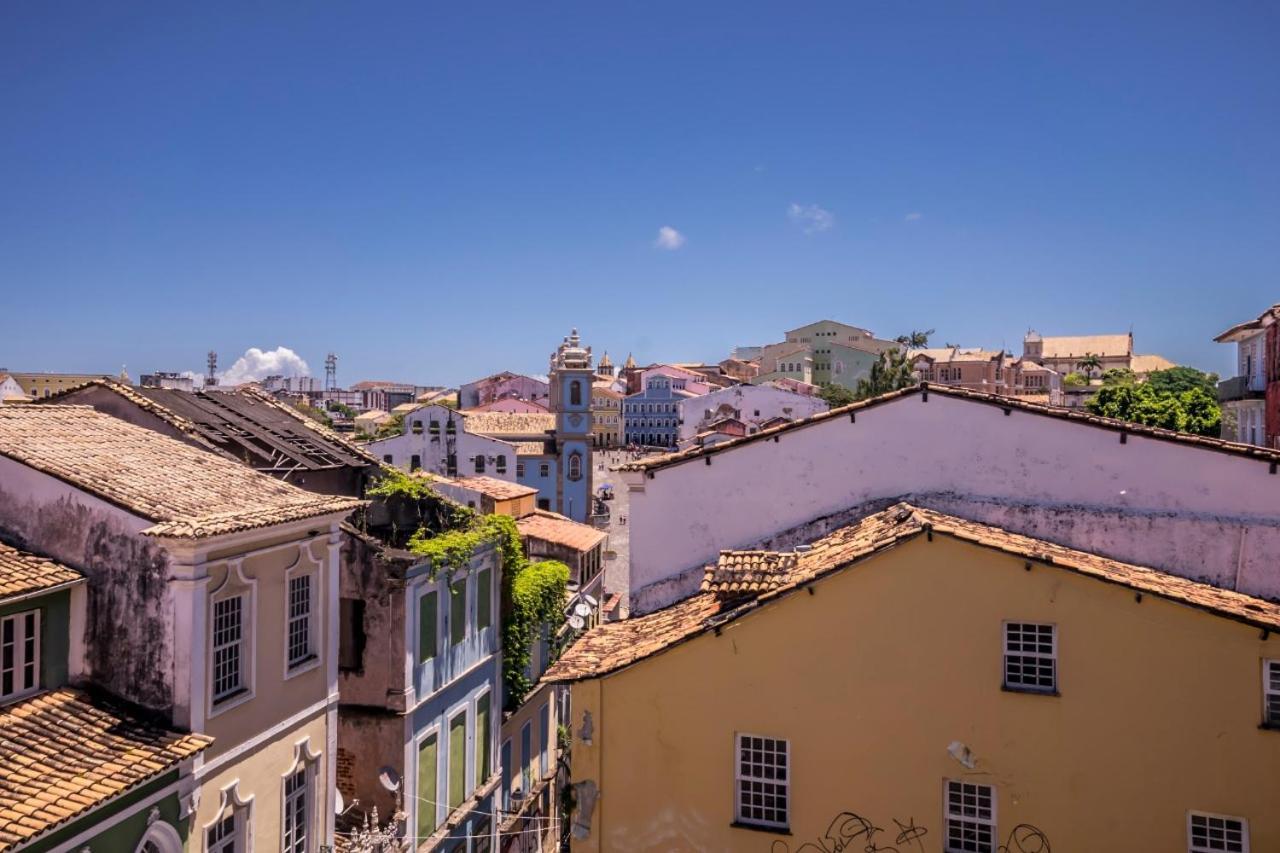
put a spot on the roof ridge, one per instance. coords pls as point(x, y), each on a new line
point(1061, 412)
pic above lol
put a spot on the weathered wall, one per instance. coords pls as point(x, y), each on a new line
point(747, 399)
point(1173, 506)
point(873, 676)
point(128, 628)
point(380, 682)
point(369, 740)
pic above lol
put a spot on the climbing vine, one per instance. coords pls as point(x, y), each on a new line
point(534, 593)
point(538, 594)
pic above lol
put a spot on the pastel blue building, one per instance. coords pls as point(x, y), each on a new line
point(571, 377)
point(650, 417)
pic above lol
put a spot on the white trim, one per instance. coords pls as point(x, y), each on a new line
point(162, 834)
point(99, 827)
point(248, 638)
point(266, 735)
point(19, 659)
point(313, 572)
point(1040, 657)
point(306, 761)
point(739, 778)
point(416, 741)
point(1244, 829)
point(241, 807)
point(948, 815)
point(1269, 692)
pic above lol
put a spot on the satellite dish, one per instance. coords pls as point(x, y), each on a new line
point(389, 779)
point(338, 805)
point(576, 622)
point(582, 609)
point(591, 602)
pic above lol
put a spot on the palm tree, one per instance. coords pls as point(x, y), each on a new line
point(916, 340)
point(890, 372)
point(1089, 364)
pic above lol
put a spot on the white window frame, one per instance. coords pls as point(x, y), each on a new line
point(314, 659)
point(308, 763)
point(19, 654)
point(968, 820)
point(1271, 693)
point(159, 834)
point(739, 778)
point(467, 708)
point(241, 808)
point(1052, 657)
point(1192, 847)
point(442, 753)
point(244, 689)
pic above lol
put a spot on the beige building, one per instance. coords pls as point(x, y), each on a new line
point(1071, 354)
point(212, 599)
point(990, 371)
point(919, 682)
point(37, 386)
point(606, 414)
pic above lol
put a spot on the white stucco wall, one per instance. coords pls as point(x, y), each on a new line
point(433, 448)
point(748, 399)
point(1193, 511)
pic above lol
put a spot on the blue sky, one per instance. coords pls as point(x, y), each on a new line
point(436, 191)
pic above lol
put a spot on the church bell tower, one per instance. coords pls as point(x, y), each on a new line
point(570, 379)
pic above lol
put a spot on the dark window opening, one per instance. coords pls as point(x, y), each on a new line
point(351, 634)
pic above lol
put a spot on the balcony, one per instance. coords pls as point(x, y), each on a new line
point(1241, 388)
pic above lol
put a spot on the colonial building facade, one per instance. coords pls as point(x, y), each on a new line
point(995, 692)
point(1250, 398)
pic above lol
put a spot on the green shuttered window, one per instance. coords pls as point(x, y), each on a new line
point(457, 760)
point(457, 610)
point(484, 603)
point(482, 739)
point(427, 627)
point(427, 787)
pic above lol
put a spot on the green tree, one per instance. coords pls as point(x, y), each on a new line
point(1192, 411)
point(1119, 376)
point(835, 395)
point(890, 372)
point(1075, 380)
point(395, 426)
point(1175, 380)
point(916, 339)
point(1089, 364)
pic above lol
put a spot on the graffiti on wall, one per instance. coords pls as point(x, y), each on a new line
point(850, 832)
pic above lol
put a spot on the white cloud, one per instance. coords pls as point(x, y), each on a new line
point(811, 218)
point(913, 216)
point(669, 239)
point(257, 364)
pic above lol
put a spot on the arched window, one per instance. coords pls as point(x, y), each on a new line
point(160, 837)
point(575, 466)
point(575, 393)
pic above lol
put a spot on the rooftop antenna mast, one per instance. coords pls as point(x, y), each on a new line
point(331, 372)
point(211, 378)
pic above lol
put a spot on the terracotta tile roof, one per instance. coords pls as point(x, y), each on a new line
point(245, 424)
point(189, 493)
point(1082, 345)
point(654, 463)
point(509, 423)
point(957, 354)
point(501, 490)
point(560, 530)
point(1149, 363)
point(737, 573)
point(64, 752)
point(531, 448)
point(22, 573)
point(742, 580)
point(1250, 325)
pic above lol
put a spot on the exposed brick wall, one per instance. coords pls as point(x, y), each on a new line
point(346, 774)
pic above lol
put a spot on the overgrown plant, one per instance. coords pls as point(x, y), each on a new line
point(536, 592)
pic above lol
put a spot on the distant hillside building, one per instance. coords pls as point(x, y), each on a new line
point(1251, 398)
point(499, 386)
point(816, 354)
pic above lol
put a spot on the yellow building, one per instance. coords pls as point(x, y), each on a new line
point(918, 682)
point(606, 414)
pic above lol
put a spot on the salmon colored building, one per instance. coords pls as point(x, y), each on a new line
point(920, 682)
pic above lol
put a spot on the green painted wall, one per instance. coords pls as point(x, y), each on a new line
point(55, 633)
point(125, 835)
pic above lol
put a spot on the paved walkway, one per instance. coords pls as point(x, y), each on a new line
point(616, 572)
